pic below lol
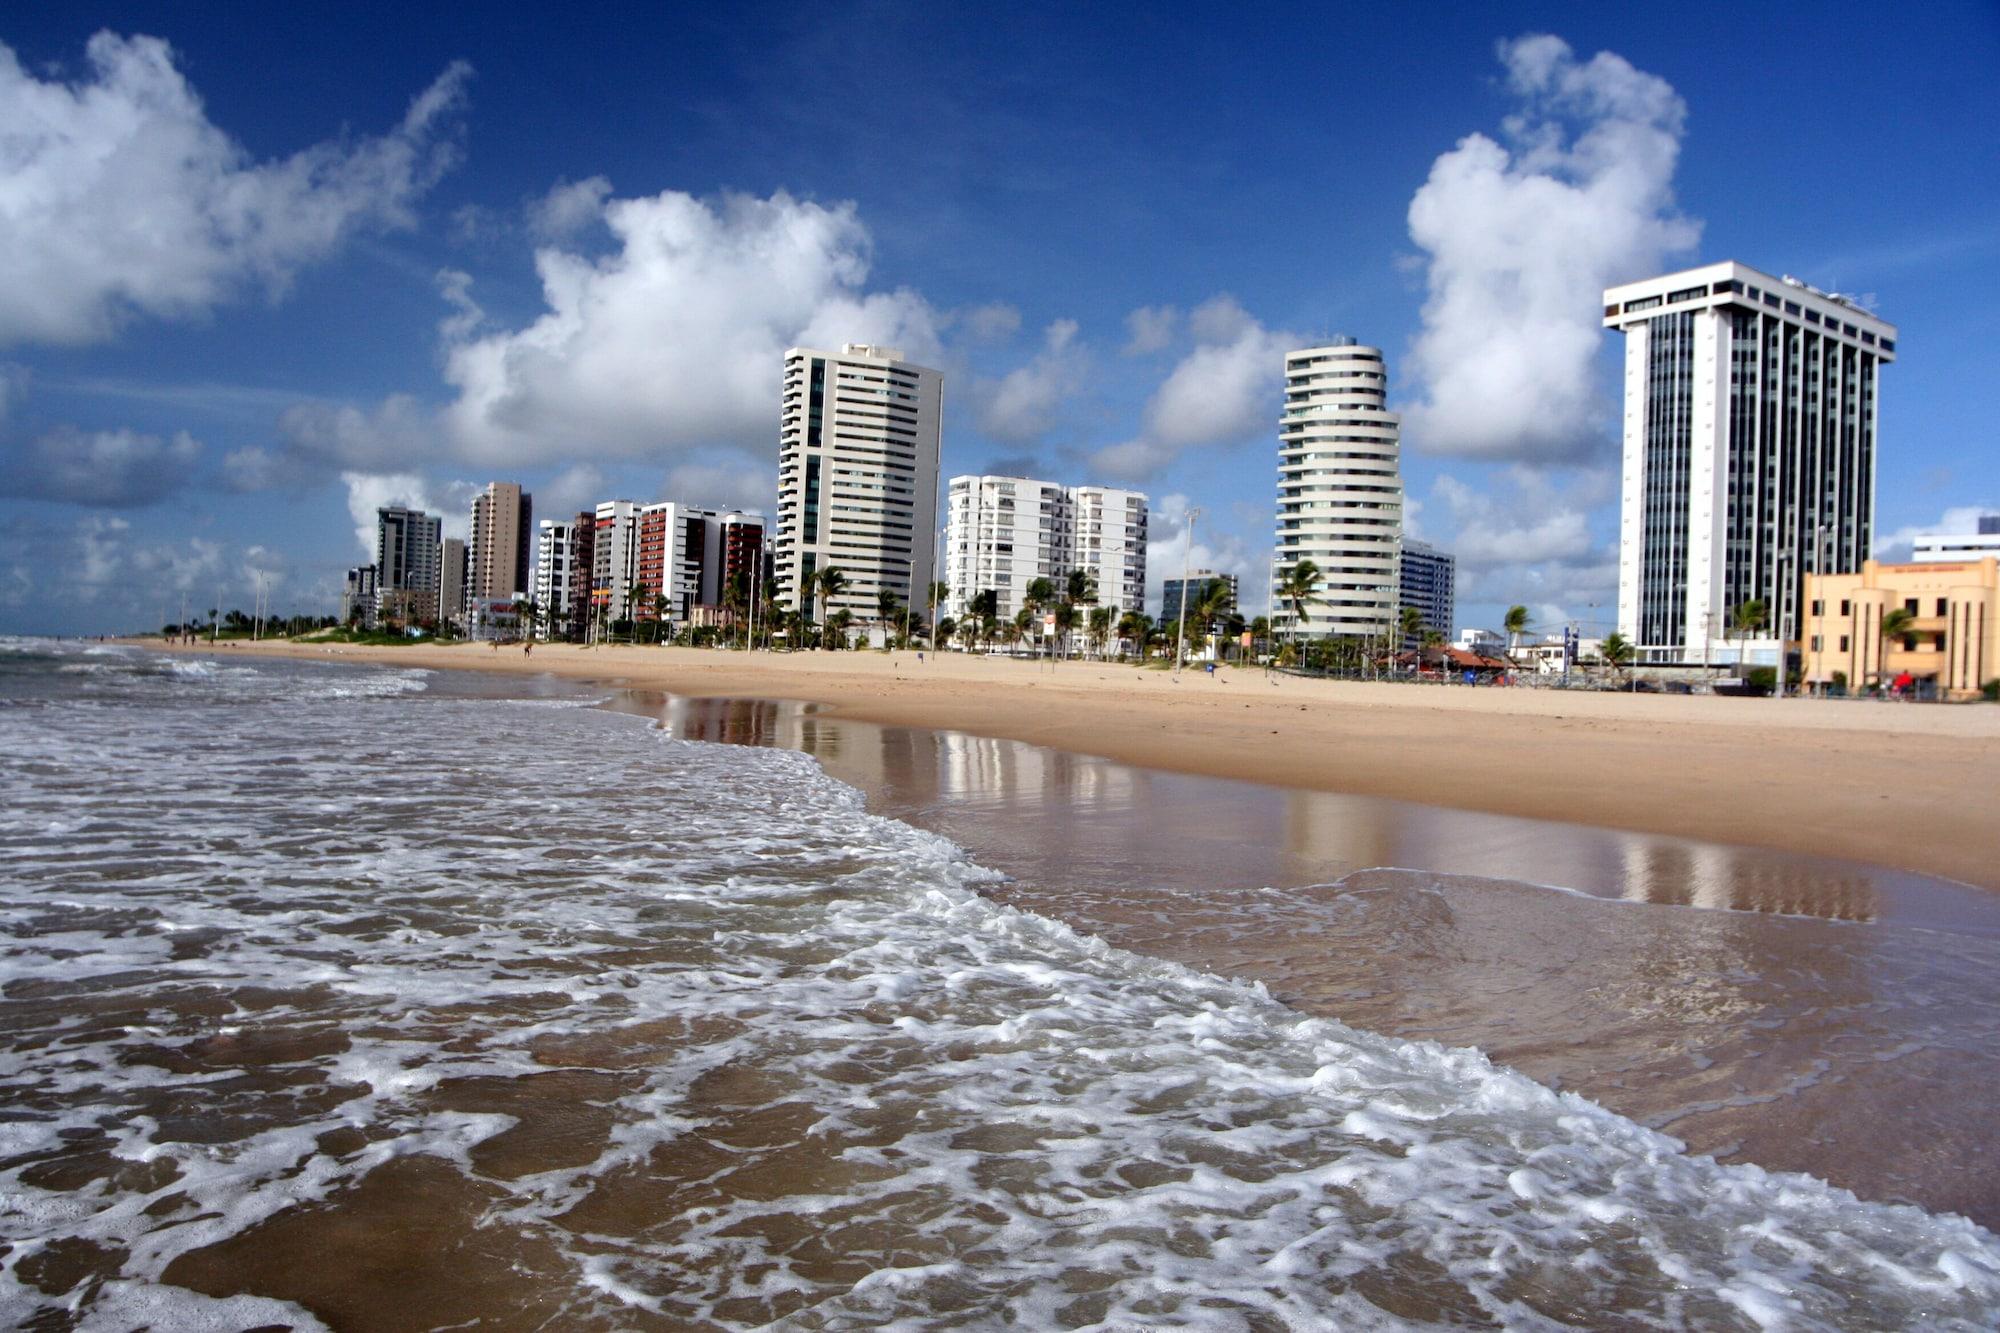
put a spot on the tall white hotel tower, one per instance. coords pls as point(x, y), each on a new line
point(1750, 413)
point(1340, 490)
point(857, 476)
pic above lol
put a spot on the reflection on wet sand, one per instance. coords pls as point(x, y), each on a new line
point(1774, 1026)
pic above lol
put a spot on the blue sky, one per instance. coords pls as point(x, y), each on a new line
point(270, 269)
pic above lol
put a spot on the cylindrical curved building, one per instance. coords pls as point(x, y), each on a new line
point(1340, 491)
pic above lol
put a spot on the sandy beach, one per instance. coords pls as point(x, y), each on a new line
point(1900, 785)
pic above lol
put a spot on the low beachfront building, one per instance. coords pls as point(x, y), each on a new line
point(1949, 642)
point(1932, 546)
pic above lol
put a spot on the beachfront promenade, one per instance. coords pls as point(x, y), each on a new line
point(1891, 784)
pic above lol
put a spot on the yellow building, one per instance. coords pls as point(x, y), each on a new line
point(1952, 638)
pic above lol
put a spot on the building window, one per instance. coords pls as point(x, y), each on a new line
point(1888, 345)
point(1818, 607)
point(1843, 643)
point(1643, 303)
point(1942, 609)
point(1846, 607)
point(1815, 643)
point(1910, 605)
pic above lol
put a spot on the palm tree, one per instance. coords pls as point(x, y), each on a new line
point(969, 629)
point(1298, 589)
point(1210, 604)
point(1134, 626)
point(1065, 618)
point(886, 603)
point(1516, 624)
point(1040, 595)
point(830, 582)
point(946, 628)
point(838, 624)
point(1413, 624)
point(1895, 624)
point(1617, 650)
point(1081, 587)
point(1100, 628)
point(1745, 620)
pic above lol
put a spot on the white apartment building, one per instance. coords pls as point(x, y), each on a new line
point(1933, 547)
point(1003, 533)
point(687, 554)
point(859, 435)
point(1110, 543)
point(1749, 451)
point(556, 575)
point(614, 560)
point(1340, 491)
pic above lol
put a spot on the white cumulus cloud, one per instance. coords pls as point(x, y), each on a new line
point(1224, 391)
point(1023, 404)
point(118, 196)
point(675, 337)
point(568, 208)
point(369, 491)
point(1520, 243)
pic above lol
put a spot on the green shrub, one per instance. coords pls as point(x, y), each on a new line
point(1991, 689)
point(1761, 680)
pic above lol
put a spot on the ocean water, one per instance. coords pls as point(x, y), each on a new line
point(347, 997)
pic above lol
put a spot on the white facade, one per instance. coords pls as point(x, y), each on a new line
point(1749, 449)
point(1340, 491)
point(1003, 533)
point(1933, 547)
point(555, 573)
point(614, 560)
point(858, 445)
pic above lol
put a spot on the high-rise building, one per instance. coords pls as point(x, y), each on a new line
point(555, 570)
point(614, 561)
point(1174, 591)
point(857, 475)
point(1003, 533)
point(357, 597)
point(1427, 580)
point(1340, 491)
point(502, 541)
point(582, 564)
point(406, 563)
point(1749, 459)
point(1110, 545)
point(687, 554)
point(451, 579)
point(1949, 546)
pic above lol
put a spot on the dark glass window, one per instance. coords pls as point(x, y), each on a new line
point(1868, 338)
point(1888, 345)
point(1643, 303)
point(1942, 608)
point(1910, 605)
point(1812, 316)
point(1688, 293)
point(1770, 300)
point(1791, 307)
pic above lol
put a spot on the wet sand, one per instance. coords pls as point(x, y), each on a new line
point(1897, 785)
point(1798, 1012)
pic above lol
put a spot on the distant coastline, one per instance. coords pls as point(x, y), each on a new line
point(1889, 784)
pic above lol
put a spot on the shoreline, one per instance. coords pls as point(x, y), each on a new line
point(1887, 784)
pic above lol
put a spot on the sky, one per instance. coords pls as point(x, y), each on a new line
point(263, 269)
